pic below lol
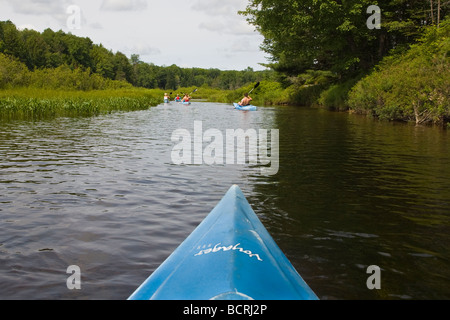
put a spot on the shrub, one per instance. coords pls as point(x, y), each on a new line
point(414, 86)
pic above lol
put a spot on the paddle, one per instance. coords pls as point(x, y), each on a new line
point(191, 92)
point(256, 86)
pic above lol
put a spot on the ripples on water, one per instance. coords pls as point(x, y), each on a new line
point(102, 193)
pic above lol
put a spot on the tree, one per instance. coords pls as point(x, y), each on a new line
point(122, 67)
point(79, 50)
point(12, 72)
point(173, 77)
point(146, 76)
point(332, 35)
point(57, 53)
point(103, 61)
point(12, 42)
point(35, 48)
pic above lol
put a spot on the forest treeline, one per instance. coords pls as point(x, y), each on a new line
point(68, 61)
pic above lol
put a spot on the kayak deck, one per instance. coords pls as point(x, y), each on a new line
point(229, 256)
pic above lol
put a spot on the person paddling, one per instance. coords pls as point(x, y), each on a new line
point(246, 100)
point(186, 98)
point(166, 98)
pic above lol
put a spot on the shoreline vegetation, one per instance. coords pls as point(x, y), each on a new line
point(52, 74)
point(35, 104)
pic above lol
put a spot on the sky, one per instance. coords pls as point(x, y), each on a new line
point(188, 33)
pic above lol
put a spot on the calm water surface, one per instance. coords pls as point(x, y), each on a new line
point(102, 193)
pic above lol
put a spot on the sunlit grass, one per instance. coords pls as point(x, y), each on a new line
point(31, 103)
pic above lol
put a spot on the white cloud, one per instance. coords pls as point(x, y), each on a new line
point(39, 7)
point(142, 49)
point(96, 25)
point(247, 44)
point(53, 14)
point(235, 28)
point(222, 17)
point(220, 7)
point(124, 5)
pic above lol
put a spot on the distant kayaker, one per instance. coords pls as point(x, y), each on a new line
point(166, 97)
point(246, 101)
point(186, 98)
point(178, 98)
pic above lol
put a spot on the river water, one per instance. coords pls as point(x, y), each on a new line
point(104, 194)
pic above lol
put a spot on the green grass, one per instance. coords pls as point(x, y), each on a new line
point(32, 104)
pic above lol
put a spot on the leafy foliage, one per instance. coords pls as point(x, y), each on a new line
point(414, 86)
point(333, 35)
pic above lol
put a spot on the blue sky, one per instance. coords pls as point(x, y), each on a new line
point(188, 33)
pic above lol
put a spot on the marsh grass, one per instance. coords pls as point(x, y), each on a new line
point(32, 103)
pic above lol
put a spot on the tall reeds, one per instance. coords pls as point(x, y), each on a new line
point(35, 104)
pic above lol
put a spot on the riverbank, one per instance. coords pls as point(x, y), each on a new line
point(413, 86)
